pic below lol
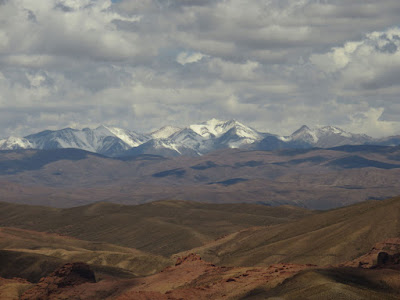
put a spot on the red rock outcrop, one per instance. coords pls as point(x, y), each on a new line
point(193, 278)
point(69, 275)
point(188, 258)
point(370, 260)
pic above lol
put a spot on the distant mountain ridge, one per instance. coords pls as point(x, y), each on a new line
point(193, 140)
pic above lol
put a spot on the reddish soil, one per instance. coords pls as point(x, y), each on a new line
point(192, 278)
point(11, 289)
point(69, 275)
point(370, 259)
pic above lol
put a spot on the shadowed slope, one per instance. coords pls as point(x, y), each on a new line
point(335, 283)
point(37, 253)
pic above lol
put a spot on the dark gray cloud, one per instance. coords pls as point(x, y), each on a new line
point(273, 64)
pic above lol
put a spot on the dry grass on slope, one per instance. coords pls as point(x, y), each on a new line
point(37, 253)
point(329, 237)
point(161, 228)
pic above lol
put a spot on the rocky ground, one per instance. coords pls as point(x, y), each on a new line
point(192, 278)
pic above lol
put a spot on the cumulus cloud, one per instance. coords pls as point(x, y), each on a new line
point(371, 63)
point(273, 64)
point(187, 58)
point(371, 121)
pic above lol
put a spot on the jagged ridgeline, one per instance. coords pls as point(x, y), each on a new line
point(194, 140)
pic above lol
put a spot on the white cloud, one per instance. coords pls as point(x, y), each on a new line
point(274, 64)
point(369, 64)
point(188, 58)
point(370, 121)
point(337, 59)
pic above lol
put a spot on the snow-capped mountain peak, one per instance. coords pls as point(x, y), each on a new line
point(215, 128)
point(104, 139)
point(131, 138)
point(326, 136)
point(195, 139)
point(304, 133)
point(14, 143)
point(302, 129)
point(210, 128)
point(164, 132)
point(334, 130)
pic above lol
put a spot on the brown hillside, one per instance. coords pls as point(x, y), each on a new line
point(32, 255)
point(315, 178)
point(163, 228)
point(329, 237)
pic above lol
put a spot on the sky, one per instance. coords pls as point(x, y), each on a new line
point(141, 64)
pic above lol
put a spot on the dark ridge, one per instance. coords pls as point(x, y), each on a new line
point(42, 158)
point(390, 141)
point(250, 163)
point(314, 159)
point(294, 152)
point(142, 157)
point(32, 267)
point(204, 166)
point(272, 143)
point(365, 148)
point(352, 276)
point(263, 203)
point(231, 181)
point(355, 161)
point(175, 172)
point(395, 157)
point(377, 198)
point(351, 187)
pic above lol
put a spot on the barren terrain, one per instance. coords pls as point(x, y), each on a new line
point(314, 178)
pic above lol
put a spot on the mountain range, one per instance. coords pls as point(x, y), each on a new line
point(194, 140)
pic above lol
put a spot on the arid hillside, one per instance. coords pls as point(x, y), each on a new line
point(313, 178)
point(190, 250)
point(224, 234)
point(328, 237)
point(164, 227)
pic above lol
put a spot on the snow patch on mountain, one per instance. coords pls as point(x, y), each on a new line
point(216, 128)
point(304, 133)
point(160, 144)
point(326, 136)
point(196, 139)
point(164, 132)
point(104, 140)
point(334, 130)
point(15, 143)
point(131, 138)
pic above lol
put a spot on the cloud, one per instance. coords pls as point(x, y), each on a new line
point(273, 64)
point(367, 69)
point(187, 58)
point(371, 63)
point(371, 121)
